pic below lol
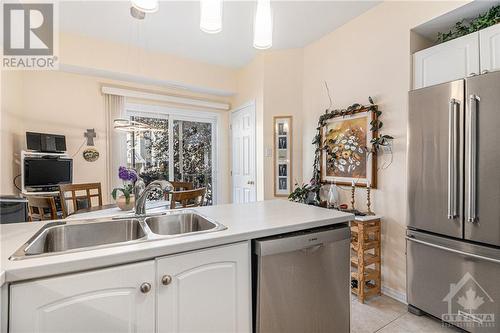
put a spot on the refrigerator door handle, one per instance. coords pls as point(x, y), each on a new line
point(467, 254)
point(452, 158)
point(472, 147)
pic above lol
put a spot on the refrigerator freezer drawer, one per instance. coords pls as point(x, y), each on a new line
point(454, 281)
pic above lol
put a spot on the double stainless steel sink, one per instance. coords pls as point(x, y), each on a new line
point(63, 237)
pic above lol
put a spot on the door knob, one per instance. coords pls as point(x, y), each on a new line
point(145, 287)
point(166, 280)
point(250, 182)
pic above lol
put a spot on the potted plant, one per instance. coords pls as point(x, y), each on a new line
point(126, 200)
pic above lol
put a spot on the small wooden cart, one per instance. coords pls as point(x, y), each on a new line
point(366, 256)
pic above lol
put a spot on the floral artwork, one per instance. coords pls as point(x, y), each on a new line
point(347, 140)
point(346, 157)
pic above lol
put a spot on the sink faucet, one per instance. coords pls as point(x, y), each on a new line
point(141, 192)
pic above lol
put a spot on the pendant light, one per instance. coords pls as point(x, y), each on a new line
point(263, 26)
point(146, 6)
point(211, 16)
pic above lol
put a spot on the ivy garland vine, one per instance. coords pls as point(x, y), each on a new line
point(467, 26)
point(377, 141)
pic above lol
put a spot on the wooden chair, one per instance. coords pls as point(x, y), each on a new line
point(79, 201)
point(182, 186)
point(190, 198)
point(37, 206)
point(179, 186)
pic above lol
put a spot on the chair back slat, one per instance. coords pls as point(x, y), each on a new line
point(182, 186)
point(189, 198)
point(79, 194)
point(37, 206)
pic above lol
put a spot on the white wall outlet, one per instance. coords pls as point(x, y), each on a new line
point(268, 152)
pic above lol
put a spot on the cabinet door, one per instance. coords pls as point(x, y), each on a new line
point(445, 62)
point(489, 41)
point(205, 291)
point(105, 300)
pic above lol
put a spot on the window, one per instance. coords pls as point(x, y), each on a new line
point(181, 148)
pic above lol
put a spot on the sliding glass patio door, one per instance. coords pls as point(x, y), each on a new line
point(182, 147)
point(192, 149)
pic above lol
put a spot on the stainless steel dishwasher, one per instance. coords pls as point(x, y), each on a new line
point(301, 282)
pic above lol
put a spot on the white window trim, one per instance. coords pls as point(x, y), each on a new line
point(171, 113)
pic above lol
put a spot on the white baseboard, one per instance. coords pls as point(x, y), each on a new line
point(393, 293)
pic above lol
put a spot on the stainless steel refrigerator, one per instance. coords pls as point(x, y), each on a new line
point(453, 236)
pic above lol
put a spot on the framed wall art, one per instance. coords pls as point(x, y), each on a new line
point(345, 153)
point(282, 156)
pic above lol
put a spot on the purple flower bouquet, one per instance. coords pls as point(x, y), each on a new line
point(129, 176)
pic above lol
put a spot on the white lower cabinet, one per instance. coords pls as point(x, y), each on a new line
point(202, 291)
point(105, 300)
point(205, 291)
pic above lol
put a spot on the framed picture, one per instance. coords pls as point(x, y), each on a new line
point(345, 152)
point(282, 156)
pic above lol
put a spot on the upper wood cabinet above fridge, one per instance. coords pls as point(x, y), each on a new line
point(476, 53)
point(445, 62)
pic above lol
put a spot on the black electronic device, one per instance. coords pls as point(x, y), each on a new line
point(47, 172)
point(43, 142)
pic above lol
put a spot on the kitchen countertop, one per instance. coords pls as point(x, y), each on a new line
point(243, 222)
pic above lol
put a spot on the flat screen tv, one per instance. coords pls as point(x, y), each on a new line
point(40, 172)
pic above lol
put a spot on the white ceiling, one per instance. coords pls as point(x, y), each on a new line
point(175, 27)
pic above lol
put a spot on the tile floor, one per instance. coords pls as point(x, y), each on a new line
point(383, 314)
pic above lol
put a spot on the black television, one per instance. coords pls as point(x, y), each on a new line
point(48, 171)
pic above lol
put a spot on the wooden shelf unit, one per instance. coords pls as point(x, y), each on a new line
point(366, 256)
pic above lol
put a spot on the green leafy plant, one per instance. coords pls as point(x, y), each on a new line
point(301, 192)
point(467, 26)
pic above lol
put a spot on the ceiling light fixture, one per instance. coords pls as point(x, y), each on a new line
point(263, 26)
point(211, 16)
point(146, 6)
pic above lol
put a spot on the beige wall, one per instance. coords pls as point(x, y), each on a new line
point(370, 56)
point(283, 97)
point(77, 50)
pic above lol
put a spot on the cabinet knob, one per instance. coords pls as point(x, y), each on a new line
point(166, 280)
point(145, 287)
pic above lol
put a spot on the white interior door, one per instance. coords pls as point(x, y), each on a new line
point(243, 154)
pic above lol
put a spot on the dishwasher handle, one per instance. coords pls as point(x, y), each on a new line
point(307, 242)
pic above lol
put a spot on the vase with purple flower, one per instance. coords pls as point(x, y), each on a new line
point(126, 200)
